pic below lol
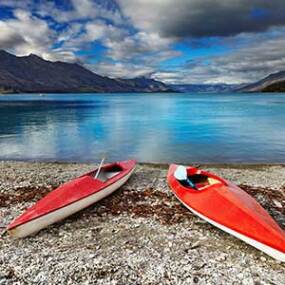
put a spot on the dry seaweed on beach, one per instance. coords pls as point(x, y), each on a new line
point(145, 204)
point(24, 194)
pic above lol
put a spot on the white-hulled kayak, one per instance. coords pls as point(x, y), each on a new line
point(72, 197)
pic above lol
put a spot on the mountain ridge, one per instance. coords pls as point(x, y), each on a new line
point(205, 88)
point(274, 82)
point(33, 74)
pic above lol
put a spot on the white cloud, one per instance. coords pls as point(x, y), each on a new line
point(134, 50)
point(26, 34)
point(71, 32)
point(24, 38)
point(140, 47)
point(120, 70)
point(61, 55)
point(81, 10)
point(9, 37)
point(23, 4)
point(256, 57)
point(99, 30)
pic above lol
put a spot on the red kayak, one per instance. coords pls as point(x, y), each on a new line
point(227, 207)
point(72, 197)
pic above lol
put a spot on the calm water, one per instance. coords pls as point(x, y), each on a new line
point(147, 127)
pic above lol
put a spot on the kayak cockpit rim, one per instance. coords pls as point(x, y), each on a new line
point(197, 180)
point(107, 172)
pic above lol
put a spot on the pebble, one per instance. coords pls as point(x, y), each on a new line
point(277, 204)
point(262, 258)
point(196, 244)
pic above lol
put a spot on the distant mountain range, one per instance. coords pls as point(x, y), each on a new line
point(36, 75)
point(32, 74)
point(205, 88)
point(273, 83)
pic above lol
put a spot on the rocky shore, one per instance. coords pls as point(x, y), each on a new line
point(139, 235)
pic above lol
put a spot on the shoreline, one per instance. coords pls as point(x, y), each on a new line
point(139, 235)
point(162, 165)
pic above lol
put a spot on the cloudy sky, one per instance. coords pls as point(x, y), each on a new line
point(181, 41)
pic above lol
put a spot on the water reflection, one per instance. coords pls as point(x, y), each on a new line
point(148, 127)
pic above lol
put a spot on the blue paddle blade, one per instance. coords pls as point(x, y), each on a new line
point(180, 173)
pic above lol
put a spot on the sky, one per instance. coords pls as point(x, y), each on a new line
point(181, 41)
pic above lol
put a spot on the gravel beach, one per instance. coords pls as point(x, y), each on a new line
point(139, 235)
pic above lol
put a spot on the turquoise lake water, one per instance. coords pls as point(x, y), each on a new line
point(215, 128)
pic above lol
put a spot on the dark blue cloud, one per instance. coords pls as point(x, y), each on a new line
point(259, 13)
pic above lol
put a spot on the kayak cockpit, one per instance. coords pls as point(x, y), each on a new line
point(202, 181)
point(197, 181)
point(107, 173)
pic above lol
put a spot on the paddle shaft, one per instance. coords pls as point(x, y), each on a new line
point(99, 168)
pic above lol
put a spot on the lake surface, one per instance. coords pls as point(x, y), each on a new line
point(219, 128)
